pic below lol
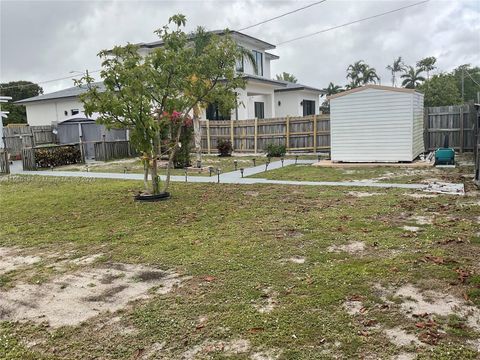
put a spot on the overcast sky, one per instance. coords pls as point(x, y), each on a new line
point(44, 40)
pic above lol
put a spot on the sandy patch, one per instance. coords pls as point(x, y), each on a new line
point(76, 297)
point(404, 356)
point(362, 194)
point(86, 260)
point(209, 347)
point(153, 350)
point(353, 307)
point(268, 301)
point(411, 228)
point(11, 259)
point(294, 259)
point(421, 196)
point(251, 193)
point(475, 344)
point(400, 337)
point(265, 355)
point(351, 248)
point(422, 220)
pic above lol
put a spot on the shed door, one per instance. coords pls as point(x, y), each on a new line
point(91, 133)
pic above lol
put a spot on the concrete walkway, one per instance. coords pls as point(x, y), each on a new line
point(233, 177)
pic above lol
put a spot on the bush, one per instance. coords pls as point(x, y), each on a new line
point(182, 156)
point(225, 147)
point(275, 150)
point(57, 156)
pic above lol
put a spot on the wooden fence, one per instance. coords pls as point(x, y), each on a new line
point(29, 160)
point(108, 150)
point(307, 133)
point(18, 137)
point(4, 162)
point(456, 122)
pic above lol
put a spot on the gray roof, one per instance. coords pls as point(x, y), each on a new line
point(266, 45)
point(289, 86)
point(65, 93)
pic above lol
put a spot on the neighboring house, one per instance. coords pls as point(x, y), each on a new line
point(263, 97)
point(375, 123)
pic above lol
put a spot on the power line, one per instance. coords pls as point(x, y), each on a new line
point(43, 82)
point(352, 22)
point(282, 15)
point(470, 76)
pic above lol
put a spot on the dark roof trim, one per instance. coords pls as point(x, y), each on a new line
point(272, 56)
point(308, 88)
point(70, 92)
point(264, 80)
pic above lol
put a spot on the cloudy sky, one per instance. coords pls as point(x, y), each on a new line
point(45, 40)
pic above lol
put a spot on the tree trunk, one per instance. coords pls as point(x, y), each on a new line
point(155, 177)
point(145, 171)
point(197, 137)
point(173, 150)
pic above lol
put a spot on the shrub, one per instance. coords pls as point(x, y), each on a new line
point(275, 150)
point(225, 147)
point(182, 156)
point(57, 156)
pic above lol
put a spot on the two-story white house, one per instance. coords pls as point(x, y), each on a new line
point(263, 97)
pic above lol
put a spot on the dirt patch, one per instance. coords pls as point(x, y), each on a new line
point(404, 356)
point(294, 259)
point(70, 299)
point(421, 196)
point(422, 220)
point(268, 301)
point(361, 194)
point(265, 355)
point(12, 259)
point(209, 348)
point(85, 260)
point(400, 337)
point(351, 248)
point(411, 228)
point(251, 193)
point(151, 275)
point(353, 307)
point(152, 351)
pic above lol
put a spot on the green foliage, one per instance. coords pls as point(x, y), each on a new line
point(224, 147)
point(182, 156)
point(360, 74)
point(427, 64)
point(18, 90)
point(397, 66)
point(154, 95)
point(57, 156)
point(286, 77)
point(440, 90)
point(275, 150)
point(412, 78)
point(471, 80)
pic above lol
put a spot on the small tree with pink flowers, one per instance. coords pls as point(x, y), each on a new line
point(154, 95)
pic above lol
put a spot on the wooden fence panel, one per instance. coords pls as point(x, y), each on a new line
point(108, 150)
point(18, 137)
point(309, 133)
point(4, 162)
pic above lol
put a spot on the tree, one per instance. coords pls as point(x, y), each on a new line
point(441, 90)
point(360, 74)
point(286, 77)
point(155, 95)
point(427, 64)
point(411, 77)
point(470, 77)
point(331, 89)
point(18, 90)
point(397, 66)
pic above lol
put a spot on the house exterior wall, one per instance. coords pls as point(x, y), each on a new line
point(372, 126)
point(290, 102)
point(45, 112)
point(247, 65)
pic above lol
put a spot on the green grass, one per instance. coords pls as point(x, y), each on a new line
point(240, 235)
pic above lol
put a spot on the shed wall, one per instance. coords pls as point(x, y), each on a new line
point(418, 140)
point(372, 126)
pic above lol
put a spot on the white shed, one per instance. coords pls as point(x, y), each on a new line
point(375, 123)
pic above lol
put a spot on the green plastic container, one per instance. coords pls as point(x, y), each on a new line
point(444, 156)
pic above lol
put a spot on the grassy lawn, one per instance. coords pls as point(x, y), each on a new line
point(266, 271)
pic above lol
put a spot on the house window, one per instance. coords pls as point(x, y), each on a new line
point(259, 61)
point(214, 113)
point(74, 111)
point(259, 110)
point(308, 107)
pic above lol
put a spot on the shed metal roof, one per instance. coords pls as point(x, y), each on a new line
point(371, 86)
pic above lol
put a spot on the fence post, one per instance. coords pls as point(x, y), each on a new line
point(287, 133)
point(426, 136)
point(104, 148)
point(255, 136)
point(461, 130)
point(208, 136)
point(232, 138)
point(82, 152)
point(315, 133)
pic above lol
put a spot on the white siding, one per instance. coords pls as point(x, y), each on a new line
point(290, 102)
point(418, 140)
point(45, 112)
point(372, 125)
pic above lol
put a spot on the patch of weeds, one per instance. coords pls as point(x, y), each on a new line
point(150, 275)
point(474, 295)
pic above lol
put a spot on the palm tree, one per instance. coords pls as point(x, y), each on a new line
point(354, 73)
point(286, 77)
point(360, 74)
point(427, 64)
point(332, 89)
point(397, 66)
point(412, 77)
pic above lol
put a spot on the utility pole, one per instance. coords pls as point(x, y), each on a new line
point(463, 84)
